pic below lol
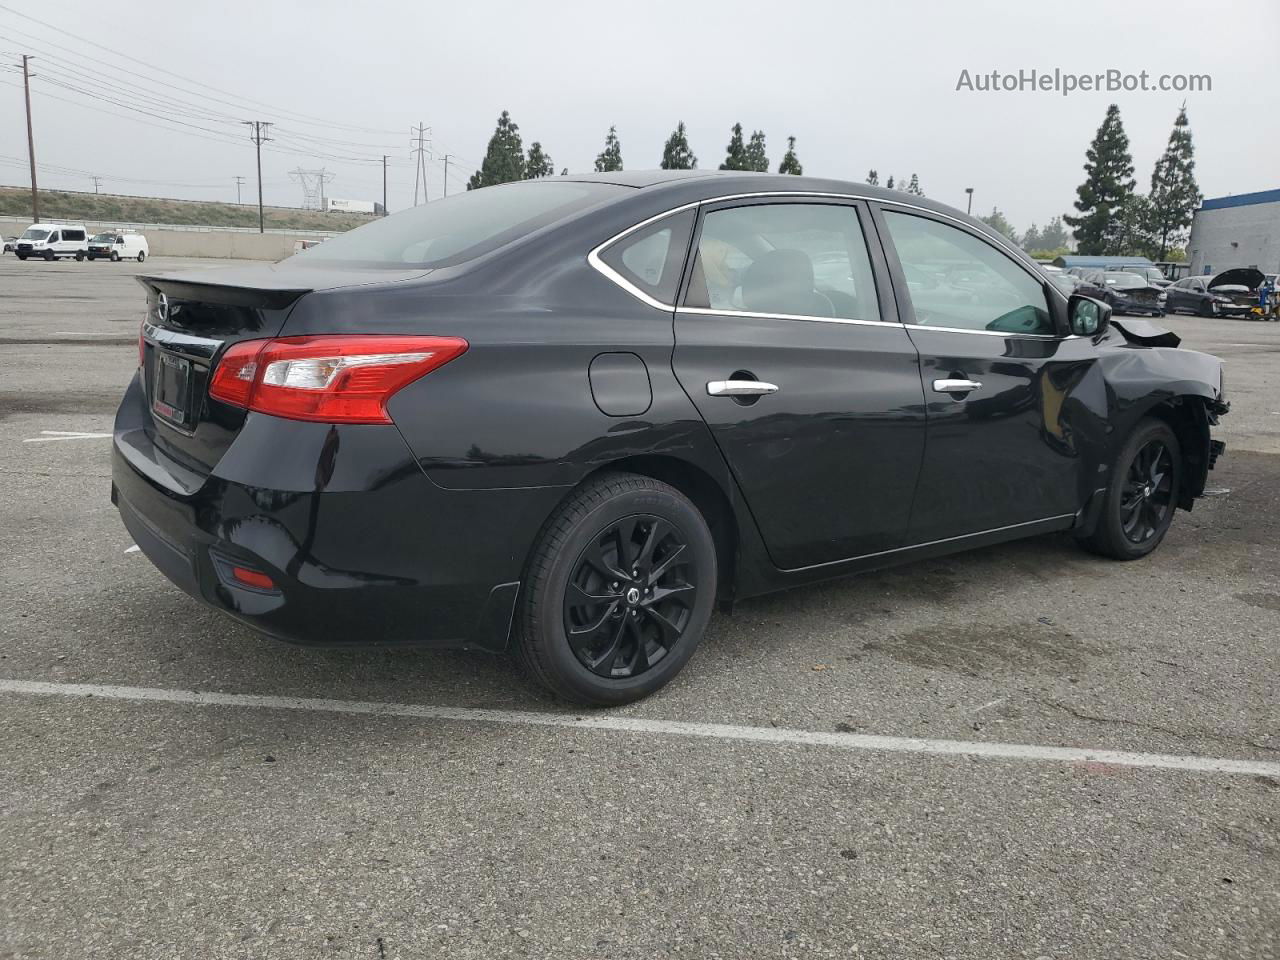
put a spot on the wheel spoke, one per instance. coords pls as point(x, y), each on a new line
point(662, 593)
point(589, 629)
point(656, 573)
point(668, 632)
point(595, 556)
point(580, 596)
point(604, 662)
point(644, 556)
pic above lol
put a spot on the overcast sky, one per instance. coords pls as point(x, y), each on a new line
point(858, 85)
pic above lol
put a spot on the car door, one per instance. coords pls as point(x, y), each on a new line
point(788, 344)
point(997, 370)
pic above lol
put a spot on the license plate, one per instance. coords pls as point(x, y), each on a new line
point(172, 394)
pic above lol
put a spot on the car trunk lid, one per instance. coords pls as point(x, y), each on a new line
point(191, 319)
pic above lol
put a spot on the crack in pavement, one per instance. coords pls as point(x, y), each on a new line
point(1154, 727)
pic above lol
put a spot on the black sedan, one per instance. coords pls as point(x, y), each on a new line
point(1129, 293)
point(569, 417)
point(1232, 293)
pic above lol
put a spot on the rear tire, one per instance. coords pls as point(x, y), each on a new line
point(1142, 495)
point(79, 256)
point(141, 256)
point(618, 593)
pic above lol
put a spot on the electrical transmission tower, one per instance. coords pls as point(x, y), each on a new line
point(423, 151)
point(97, 182)
point(313, 183)
point(239, 183)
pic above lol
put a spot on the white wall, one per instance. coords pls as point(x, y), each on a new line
point(1244, 236)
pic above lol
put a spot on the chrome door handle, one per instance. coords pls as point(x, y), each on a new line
point(740, 388)
point(955, 386)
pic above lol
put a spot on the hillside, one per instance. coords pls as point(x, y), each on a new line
point(69, 205)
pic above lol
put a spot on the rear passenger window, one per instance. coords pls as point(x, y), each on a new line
point(956, 280)
point(805, 260)
point(651, 259)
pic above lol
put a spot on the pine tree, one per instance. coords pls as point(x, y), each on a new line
point(998, 223)
point(902, 184)
point(1108, 183)
point(757, 158)
point(539, 164)
point(889, 183)
point(676, 154)
point(504, 160)
point(1131, 232)
point(1032, 240)
point(736, 153)
point(873, 178)
point(914, 186)
point(610, 158)
point(790, 162)
point(1174, 192)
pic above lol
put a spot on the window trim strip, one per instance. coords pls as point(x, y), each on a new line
point(593, 258)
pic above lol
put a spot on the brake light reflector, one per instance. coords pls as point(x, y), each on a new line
point(252, 578)
point(330, 379)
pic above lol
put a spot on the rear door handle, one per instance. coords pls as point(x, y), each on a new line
point(956, 386)
point(740, 388)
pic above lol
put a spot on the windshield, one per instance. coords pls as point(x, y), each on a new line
point(35, 234)
point(104, 238)
point(459, 228)
point(1125, 281)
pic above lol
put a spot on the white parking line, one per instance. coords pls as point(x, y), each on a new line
point(674, 728)
point(51, 436)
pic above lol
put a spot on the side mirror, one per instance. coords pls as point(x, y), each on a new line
point(1088, 317)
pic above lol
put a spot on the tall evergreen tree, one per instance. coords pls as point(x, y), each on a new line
point(790, 162)
point(1108, 184)
point(504, 160)
point(914, 186)
point(1054, 235)
point(757, 158)
point(902, 184)
point(676, 154)
point(610, 158)
point(889, 183)
point(998, 223)
point(1131, 232)
point(736, 153)
point(539, 163)
point(1032, 239)
point(1174, 192)
point(873, 178)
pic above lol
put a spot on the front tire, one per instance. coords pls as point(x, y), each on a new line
point(1142, 495)
point(618, 593)
point(115, 256)
point(1207, 309)
point(50, 256)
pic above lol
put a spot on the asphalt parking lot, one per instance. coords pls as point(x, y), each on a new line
point(748, 810)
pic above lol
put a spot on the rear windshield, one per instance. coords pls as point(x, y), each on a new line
point(35, 234)
point(459, 228)
point(1125, 281)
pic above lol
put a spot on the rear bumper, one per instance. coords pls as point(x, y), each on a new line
point(371, 552)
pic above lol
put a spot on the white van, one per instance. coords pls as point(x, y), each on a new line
point(53, 240)
point(118, 246)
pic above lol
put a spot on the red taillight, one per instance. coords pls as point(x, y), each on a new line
point(252, 578)
point(331, 379)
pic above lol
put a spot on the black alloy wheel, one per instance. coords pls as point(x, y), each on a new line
point(1146, 503)
point(617, 591)
point(630, 596)
point(1142, 494)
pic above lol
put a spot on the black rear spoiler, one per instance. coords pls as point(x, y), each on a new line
point(223, 286)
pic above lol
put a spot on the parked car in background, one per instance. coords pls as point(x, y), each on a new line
point(119, 246)
point(570, 416)
point(1232, 293)
point(49, 241)
point(10, 243)
point(1130, 293)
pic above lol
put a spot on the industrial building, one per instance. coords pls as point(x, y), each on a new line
point(1236, 231)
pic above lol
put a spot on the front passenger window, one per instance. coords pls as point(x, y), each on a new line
point(956, 280)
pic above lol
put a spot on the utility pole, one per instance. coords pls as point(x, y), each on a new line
point(97, 182)
point(259, 135)
point(239, 180)
point(446, 174)
point(384, 184)
point(969, 207)
point(420, 171)
point(31, 142)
